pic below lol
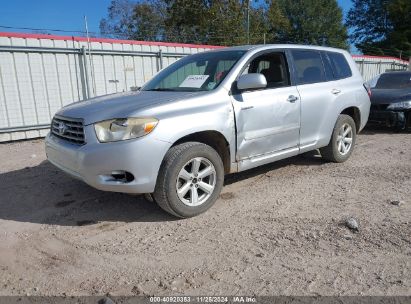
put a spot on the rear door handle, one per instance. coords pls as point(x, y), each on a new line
point(292, 98)
point(335, 91)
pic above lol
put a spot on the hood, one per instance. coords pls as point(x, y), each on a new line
point(387, 96)
point(120, 105)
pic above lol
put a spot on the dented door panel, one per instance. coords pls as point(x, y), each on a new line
point(267, 121)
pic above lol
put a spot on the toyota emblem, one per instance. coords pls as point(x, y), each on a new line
point(62, 128)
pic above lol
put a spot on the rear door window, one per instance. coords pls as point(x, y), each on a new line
point(340, 66)
point(309, 66)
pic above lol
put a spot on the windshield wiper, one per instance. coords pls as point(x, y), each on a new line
point(160, 89)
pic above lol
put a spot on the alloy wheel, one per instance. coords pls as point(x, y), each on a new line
point(344, 139)
point(196, 181)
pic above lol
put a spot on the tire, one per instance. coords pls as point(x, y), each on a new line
point(176, 188)
point(336, 152)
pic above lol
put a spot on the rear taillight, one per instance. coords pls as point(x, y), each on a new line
point(368, 89)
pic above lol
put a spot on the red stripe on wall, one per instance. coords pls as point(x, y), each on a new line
point(106, 40)
point(379, 57)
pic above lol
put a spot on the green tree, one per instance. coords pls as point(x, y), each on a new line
point(215, 21)
point(193, 21)
point(381, 27)
point(313, 22)
point(399, 12)
point(369, 22)
point(186, 21)
point(277, 25)
point(227, 23)
point(128, 19)
point(224, 22)
point(118, 22)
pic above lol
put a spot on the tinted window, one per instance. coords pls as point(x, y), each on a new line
point(273, 66)
point(341, 68)
point(309, 66)
point(394, 81)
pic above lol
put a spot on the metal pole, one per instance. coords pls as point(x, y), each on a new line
point(264, 38)
point(362, 68)
point(83, 51)
point(160, 58)
point(24, 128)
point(89, 55)
point(248, 22)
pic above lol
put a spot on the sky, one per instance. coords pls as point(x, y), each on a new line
point(52, 14)
point(62, 14)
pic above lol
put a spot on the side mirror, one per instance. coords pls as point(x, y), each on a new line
point(251, 81)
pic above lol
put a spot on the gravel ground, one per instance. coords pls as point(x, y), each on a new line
point(276, 230)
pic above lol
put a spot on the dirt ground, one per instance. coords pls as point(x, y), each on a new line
point(276, 230)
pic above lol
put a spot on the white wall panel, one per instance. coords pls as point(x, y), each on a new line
point(99, 81)
point(371, 66)
point(39, 88)
point(25, 89)
point(4, 119)
point(10, 89)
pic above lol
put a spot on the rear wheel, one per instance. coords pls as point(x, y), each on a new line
point(342, 140)
point(190, 179)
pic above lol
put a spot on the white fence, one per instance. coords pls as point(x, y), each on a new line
point(41, 73)
point(371, 66)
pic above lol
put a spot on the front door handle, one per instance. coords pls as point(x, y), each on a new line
point(335, 91)
point(247, 108)
point(292, 98)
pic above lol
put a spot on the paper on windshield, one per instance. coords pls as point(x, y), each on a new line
point(194, 81)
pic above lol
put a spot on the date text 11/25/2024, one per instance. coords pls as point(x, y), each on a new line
point(203, 299)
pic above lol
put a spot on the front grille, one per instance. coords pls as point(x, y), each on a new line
point(70, 129)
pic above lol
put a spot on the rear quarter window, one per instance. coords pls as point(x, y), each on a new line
point(309, 66)
point(341, 68)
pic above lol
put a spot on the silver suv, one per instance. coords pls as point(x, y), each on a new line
point(211, 114)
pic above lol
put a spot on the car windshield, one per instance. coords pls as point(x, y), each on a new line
point(199, 72)
point(393, 81)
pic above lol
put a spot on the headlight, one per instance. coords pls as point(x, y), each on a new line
point(124, 128)
point(402, 105)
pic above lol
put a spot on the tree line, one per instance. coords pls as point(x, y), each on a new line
point(375, 26)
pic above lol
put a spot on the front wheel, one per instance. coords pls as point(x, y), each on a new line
point(342, 140)
point(190, 179)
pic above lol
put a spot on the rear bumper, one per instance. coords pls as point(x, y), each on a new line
point(397, 119)
point(95, 162)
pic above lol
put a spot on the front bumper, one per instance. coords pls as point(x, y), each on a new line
point(396, 119)
point(95, 162)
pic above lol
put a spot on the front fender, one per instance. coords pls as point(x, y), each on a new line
point(216, 118)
